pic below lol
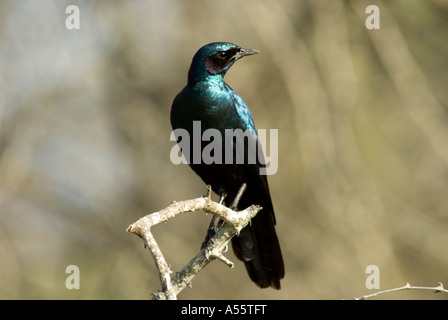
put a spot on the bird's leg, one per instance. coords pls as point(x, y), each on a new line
point(212, 228)
point(222, 197)
point(234, 206)
point(237, 199)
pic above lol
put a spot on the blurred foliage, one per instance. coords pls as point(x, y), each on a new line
point(84, 143)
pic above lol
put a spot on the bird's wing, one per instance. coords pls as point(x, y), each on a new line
point(246, 122)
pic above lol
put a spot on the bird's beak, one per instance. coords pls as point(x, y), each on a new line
point(245, 52)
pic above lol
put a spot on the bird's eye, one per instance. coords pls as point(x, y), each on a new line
point(222, 55)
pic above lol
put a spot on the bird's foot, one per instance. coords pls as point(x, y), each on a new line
point(210, 233)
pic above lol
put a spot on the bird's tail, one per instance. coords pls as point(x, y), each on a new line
point(257, 245)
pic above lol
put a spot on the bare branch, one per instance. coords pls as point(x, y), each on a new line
point(234, 222)
point(440, 288)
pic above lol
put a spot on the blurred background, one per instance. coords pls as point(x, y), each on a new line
point(84, 143)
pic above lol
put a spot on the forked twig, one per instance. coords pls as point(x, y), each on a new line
point(440, 288)
point(234, 222)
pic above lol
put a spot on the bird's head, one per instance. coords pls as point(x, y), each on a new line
point(215, 59)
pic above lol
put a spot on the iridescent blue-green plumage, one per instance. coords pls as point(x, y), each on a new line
point(208, 99)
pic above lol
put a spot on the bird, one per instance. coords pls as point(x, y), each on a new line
point(207, 98)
